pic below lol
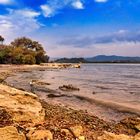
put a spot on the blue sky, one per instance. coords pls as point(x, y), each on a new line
point(75, 28)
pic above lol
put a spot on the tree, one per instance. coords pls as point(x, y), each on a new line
point(33, 47)
point(2, 55)
point(22, 51)
point(5, 55)
point(1, 39)
point(27, 43)
point(17, 55)
point(29, 59)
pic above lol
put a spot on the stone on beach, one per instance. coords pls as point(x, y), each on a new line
point(76, 131)
point(38, 82)
point(138, 127)
point(42, 86)
point(40, 135)
point(55, 95)
point(77, 66)
point(11, 133)
point(112, 136)
point(21, 105)
point(68, 88)
point(61, 65)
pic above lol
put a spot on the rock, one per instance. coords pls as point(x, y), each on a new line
point(58, 65)
point(47, 90)
point(40, 83)
point(42, 70)
point(81, 138)
point(5, 118)
point(77, 66)
point(137, 137)
point(55, 95)
point(138, 127)
point(22, 106)
point(111, 136)
point(30, 129)
point(93, 92)
point(76, 131)
point(3, 76)
point(11, 133)
point(61, 65)
point(40, 135)
point(68, 88)
point(42, 86)
point(65, 131)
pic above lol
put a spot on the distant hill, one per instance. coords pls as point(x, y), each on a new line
point(113, 58)
point(100, 59)
point(71, 60)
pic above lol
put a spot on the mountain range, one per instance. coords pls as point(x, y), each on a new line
point(100, 59)
point(112, 58)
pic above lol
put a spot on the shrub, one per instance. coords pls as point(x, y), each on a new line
point(29, 59)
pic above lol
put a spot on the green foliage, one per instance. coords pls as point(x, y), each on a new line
point(5, 54)
point(1, 39)
point(29, 59)
point(23, 51)
point(2, 55)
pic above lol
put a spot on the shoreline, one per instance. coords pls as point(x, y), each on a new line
point(54, 96)
point(61, 120)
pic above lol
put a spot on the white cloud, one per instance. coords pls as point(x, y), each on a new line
point(78, 4)
point(122, 31)
point(5, 2)
point(27, 13)
point(18, 23)
point(53, 7)
point(47, 10)
point(5, 24)
point(101, 0)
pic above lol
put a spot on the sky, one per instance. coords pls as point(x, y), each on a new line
point(74, 28)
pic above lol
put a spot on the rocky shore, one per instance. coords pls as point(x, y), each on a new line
point(23, 116)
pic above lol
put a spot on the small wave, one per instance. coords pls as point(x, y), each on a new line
point(102, 87)
point(113, 105)
point(132, 76)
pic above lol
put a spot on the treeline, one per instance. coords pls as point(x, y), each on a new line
point(22, 51)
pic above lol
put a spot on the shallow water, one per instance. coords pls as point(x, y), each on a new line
point(103, 87)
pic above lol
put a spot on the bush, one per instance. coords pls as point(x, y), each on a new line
point(29, 59)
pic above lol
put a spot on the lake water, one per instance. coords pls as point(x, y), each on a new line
point(105, 89)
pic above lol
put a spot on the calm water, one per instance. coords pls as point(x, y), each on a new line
point(103, 87)
point(119, 83)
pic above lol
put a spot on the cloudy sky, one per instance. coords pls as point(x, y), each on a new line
point(75, 28)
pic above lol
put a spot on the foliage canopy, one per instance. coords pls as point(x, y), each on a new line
point(22, 51)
